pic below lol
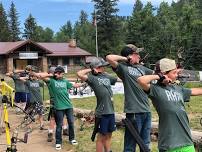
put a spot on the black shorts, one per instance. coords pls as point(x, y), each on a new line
point(34, 108)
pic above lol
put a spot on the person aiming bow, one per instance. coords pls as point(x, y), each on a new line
point(101, 83)
point(169, 101)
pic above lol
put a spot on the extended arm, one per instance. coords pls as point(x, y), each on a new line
point(196, 91)
point(43, 75)
point(9, 74)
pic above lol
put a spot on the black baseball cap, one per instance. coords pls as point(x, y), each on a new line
point(59, 69)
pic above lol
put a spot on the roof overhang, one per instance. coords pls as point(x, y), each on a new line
point(28, 42)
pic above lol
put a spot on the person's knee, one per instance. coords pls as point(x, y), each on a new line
point(108, 136)
point(100, 137)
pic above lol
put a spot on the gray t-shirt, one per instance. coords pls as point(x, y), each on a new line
point(101, 84)
point(136, 100)
point(34, 89)
point(19, 84)
point(174, 130)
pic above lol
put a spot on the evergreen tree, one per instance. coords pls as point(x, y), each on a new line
point(44, 35)
point(83, 18)
point(134, 25)
point(142, 29)
point(65, 33)
point(30, 31)
point(190, 32)
point(168, 31)
point(148, 28)
point(4, 28)
point(108, 26)
point(14, 23)
point(48, 35)
point(84, 33)
point(199, 8)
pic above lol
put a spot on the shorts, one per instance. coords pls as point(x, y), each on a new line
point(107, 124)
point(22, 97)
point(39, 108)
point(34, 108)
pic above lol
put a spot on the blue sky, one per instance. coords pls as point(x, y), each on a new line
point(55, 13)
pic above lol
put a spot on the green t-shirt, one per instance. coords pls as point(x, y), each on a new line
point(34, 89)
point(19, 84)
point(101, 84)
point(136, 100)
point(174, 130)
point(60, 90)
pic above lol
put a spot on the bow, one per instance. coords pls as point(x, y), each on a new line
point(184, 63)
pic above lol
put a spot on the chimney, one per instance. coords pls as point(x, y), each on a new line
point(72, 43)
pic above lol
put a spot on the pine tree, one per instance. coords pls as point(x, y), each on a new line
point(48, 35)
point(30, 31)
point(84, 33)
point(108, 25)
point(168, 31)
point(83, 18)
point(4, 28)
point(65, 33)
point(134, 25)
point(14, 23)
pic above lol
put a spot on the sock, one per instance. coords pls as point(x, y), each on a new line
point(50, 130)
point(64, 127)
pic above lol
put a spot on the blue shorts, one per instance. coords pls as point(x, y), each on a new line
point(22, 97)
point(107, 124)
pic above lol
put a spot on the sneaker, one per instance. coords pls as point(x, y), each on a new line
point(58, 147)
point(65, 132)
point(50, 137)
point(74, 142)
point(43, 128)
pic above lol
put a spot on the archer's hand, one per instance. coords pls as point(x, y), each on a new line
point(129, 58)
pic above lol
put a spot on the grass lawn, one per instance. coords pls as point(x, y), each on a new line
point(86, 145)
point(193, 109)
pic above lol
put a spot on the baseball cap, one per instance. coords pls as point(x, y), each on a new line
point(165, 65)
point(98, 62)
point(130, 49)
point(28, 67)
point(51, 70)
point(59, 69)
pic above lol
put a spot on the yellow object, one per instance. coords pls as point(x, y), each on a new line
point(8, 138)
point(9, 92)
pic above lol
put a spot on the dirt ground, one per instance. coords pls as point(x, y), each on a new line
point(37, 139)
